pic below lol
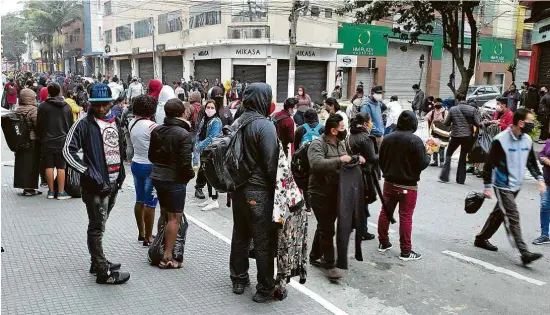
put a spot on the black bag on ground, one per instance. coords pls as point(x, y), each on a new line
point(72, 183)
point(473, 202)
point(16, 131)
point(224, 166)
point(156, 250)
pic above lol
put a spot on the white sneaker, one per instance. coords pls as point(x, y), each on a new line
point(213, 205)
point(205, 203)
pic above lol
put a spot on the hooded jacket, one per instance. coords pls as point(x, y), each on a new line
point(374, 109)
point(54, 119)
point(260, 144)
point(312, 119)
point(403, 143)
point(27, 108)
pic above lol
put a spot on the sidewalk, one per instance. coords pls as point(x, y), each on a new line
point(46, 261)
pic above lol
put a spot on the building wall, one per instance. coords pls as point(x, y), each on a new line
point(68, 30)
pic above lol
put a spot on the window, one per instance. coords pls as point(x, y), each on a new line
point(100, 34)
point(205, 14)
point(143, 28)
point(170, 22)
point(123, 33)
point(107, 10)
point(109, 37)
point(528, 13)
point(246, 31)
point(328, 13)
point(526, 40)
point(75, 36)
point(249, 10)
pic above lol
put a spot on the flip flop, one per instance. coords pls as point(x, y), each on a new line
point(33, 193)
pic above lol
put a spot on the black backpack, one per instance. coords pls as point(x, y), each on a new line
point(16, 131)
point(299, 166)
point(223, 161)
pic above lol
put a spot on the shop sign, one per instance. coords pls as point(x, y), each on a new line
point(308, 53)
point(248, 52)
point(363, 40)
point(202, 53)
point(346, 61)
point(497, 50)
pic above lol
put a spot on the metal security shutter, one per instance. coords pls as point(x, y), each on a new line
point(313, 76)
point(447, 69)
point(249, 73)
point(209, 69)
point(402, 71)
point(282, 80)
point(173, 68)
point(125, 67)
point(544, 65)
point(365, 76)
point(522, 70)
point(146, 70)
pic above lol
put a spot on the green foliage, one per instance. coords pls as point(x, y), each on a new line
point(13, 37)
point(46, 17)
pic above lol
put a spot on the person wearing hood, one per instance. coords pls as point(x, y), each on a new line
point(54, 119)
point(166, 93)
point(210, 127)
point(153, 88)
point(253, 202)
point(27, 160)
point(309, 131)
point(373, 106)
point(224, 113)
point(401, 178)
point(462, 118)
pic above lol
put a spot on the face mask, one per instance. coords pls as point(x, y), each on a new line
point(369, 126)
point(528, 127)
point(438, 106)
point(542, 93)
point(342, 135)
point(210, 112)
point(377, 97)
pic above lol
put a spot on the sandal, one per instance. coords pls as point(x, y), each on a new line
point(169, 264)
point(30, 193)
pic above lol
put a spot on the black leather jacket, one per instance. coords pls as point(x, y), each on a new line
point(260, 146)
point(361, 143)
point(170, 151)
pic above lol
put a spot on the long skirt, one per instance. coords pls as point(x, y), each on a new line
point(27, 162)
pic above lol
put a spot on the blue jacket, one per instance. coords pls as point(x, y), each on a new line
point(373, 108)
point(213, 129)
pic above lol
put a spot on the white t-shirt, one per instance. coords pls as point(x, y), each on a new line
point(140, 135)
point(116, 89)
point(345, 117)
point(111, 147)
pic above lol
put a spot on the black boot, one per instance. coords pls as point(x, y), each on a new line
point(199, 194)
point(112, 267)
point(113, 277)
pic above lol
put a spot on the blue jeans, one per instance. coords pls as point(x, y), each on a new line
point(545, 212)
point(196, 156)
point(143, 184)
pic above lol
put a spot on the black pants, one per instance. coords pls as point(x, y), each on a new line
point(98, 208)
point(326, 211)
point(252, 219)
point(505, 211)
point(202, 181)
point(465, 144)
point(544, 124)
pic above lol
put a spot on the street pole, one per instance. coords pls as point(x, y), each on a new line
point(154, 61)
point(294, 15)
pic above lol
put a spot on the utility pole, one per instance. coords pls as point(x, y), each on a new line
point(152, 26)
point(297, 6)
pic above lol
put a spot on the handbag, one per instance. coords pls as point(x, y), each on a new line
point(288, 197)
point(440, 130)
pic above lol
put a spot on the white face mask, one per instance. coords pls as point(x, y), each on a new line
point(377, 96)
point(210, 112)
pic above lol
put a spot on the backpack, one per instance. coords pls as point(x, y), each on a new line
point(16, 131)
point(224, 166)
point(311, 133)
point(299, 166)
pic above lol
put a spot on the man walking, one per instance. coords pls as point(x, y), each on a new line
point(373, 106)
point(511, 151)
point(54, 119)
point(418, 99)
point(100, 138)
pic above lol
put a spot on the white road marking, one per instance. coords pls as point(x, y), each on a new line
point(492, 267)
point(295, 284)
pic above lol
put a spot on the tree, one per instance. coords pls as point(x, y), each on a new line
point(418, 17)
point(13, 38)
point(46, 18)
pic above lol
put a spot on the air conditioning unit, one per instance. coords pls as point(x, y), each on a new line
point(315, 11)
point(257, 33)
point(135, 51)
point(161, 47)
point(236, 33)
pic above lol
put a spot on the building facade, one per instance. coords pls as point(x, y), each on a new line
point(94, 44)
point(524, 33)
point(73, 47)
point(539, 71)
point(220, 40)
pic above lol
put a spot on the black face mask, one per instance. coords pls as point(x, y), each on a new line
point(438, 106)
point(528, 127)
point(342, 135)
point(542, 93)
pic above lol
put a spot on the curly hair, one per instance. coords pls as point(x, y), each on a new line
point(144, 106)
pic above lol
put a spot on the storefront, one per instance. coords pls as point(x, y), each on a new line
point(406, 66)
point(172, 67)
point(146, 68)
point(495, 57)
point(124, 67)
point(522, 68)
point(539, 70)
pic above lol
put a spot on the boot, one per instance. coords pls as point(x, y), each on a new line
point(199, 194)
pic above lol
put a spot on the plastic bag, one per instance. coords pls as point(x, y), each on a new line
point(156, 250)
point(433, 144)
point(473, 202)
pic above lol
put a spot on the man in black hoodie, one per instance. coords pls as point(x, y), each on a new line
point(253, 202)
point(54, 120)
point(224, 112)
point(401, 181)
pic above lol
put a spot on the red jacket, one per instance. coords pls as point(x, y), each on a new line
point(285, 130)
point(506, 119)
point(11, 97)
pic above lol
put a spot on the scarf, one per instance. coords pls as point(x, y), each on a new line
point(110, 117)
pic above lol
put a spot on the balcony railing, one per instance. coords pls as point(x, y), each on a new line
point(248, 31)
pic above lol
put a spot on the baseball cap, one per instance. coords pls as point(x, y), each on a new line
point(101, 93)
point(377, 89)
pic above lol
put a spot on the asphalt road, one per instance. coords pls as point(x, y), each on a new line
point(452, 278)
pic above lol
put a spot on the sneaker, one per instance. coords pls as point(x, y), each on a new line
point(63, 196)
point(368, 236)
point(113, 277)
point(485, 244)
point(44, 185)
point(51, 194)
point(238, 288)
point(211, 206)
point(205, 203)
point(112, 267)
point(528, 257)
point(199, 194)
point(543, 239)
point(410, 256)
point(261, 298)
point(384, 247)
point(333, 274)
